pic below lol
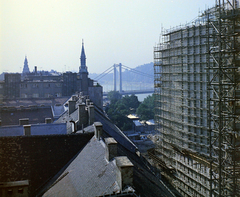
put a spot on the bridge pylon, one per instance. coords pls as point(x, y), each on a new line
point(115, 77)
point(120, 77)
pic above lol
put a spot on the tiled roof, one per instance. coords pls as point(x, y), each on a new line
point(90, 174)
point(65, 118)
point(57, 110)
point(84, 173)
point(34, 101)
point(36, 129)
point(35, 114)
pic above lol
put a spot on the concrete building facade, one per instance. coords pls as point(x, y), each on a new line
point(196, 98)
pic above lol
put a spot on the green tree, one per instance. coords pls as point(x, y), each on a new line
point(145, 111)
point(119, 108)
point(114, 96)
point(131, 103)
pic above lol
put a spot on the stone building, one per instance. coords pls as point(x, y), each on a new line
point(12, 85)
point(45, 84)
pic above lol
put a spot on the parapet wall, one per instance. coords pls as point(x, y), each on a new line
point(36, 129)
point(37, 158)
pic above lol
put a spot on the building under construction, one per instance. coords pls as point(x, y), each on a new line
point(197, 103)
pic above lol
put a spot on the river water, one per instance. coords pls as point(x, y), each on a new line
point(130, 86)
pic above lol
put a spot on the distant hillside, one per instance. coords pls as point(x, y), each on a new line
point(129, 75)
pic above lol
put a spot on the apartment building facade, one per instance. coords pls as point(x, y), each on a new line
point(197, 100)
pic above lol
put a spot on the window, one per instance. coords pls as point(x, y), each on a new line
point(47, 95)
point(58, 84)
point(35, 95)
point(10, 191)
point(23, 95)
point(58, 94)
point(20, 190)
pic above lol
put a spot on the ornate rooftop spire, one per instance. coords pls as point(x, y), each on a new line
point(25, 68)
point(83, 67)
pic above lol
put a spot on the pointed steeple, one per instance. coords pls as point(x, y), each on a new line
point(83, 67)
point(25, 67)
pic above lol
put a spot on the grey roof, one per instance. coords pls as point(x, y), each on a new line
point(90, 174)
point(145, 181)
point(36, 129)
point(66, 118)
point(34, 101)
point(113, 131)
point(11, 116)
point(57, 110)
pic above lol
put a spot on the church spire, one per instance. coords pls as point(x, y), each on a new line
point(25, 67)
point(83, 67)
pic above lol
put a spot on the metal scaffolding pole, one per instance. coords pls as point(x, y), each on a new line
point(197, 102)
point(222, 99)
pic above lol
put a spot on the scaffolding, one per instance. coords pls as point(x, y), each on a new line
point(197, 102)
point(223, 100)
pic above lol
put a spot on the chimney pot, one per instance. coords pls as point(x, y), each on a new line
point(111, 148)
point(124, 172)
point(24, 121)
point(87, 102)
point(48, 120)
point(74, 98)
point(91, 114)
point(82, 115)
point(71, 106)
point(98, 130)
point(74, 126)
point(27, 130)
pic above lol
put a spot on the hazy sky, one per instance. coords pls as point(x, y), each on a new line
point(50, 32)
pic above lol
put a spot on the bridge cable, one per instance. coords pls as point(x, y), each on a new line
point(103, 73)
point(138, 72)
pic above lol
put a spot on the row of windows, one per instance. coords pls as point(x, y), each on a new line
point(36, 95)
point(36, 85)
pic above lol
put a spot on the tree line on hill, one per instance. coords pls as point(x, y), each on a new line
point(120, 107)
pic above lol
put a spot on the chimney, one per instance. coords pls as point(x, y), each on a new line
point(98, 130)
point(111, 148)
point(91, 114)
point(71, 106)
point(124, 172)
point(27, 130)
point(74, 98)
point(35, 70)
point(48, 120)
point(24, 121)
point(82, 115)
point(88, 102)
point(74, 126)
